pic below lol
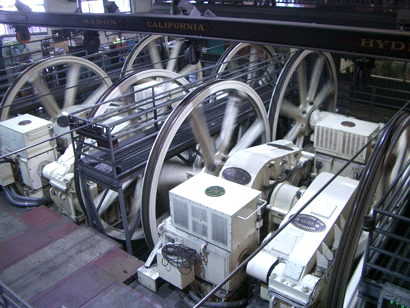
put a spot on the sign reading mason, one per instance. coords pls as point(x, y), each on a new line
point(106, 23)
point(184, 26)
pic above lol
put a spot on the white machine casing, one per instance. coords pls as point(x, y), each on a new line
point(215, 263)
point(179, 278)
point(6, 174)
point(219, 223)
point(256, 166)
point(341, 136)
point(25, 131)
point(223, 218)
point(295, 262)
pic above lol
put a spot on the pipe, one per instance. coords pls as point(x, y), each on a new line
point(22, 201)
point(12, 198)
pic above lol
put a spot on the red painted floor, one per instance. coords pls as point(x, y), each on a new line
point(49, 261)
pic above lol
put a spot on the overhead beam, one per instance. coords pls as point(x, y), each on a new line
point(356, 40)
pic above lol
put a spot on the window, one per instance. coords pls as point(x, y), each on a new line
point(8, 5)
point(97, 6)
point(35, 5)
point(92, 6)
point(123, 5)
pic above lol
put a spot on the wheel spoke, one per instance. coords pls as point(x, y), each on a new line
point(73, 77)
point(302, 83)
point(401, 155)
point(173, 173)
point(267, 75)
point(294, 132)
point(253, 58)
point(95, 96)
point(289, 110)
point(154, 55)
point(136, 198)
point(173, 57)
point(228, 124)
point(249, 137)
point(327, 89)
point(189, 69)
point(107, 197)
point(45, 97)
point(315, 79)
point(200, 129)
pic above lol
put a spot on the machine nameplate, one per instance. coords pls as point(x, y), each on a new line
point(237, 175)
point(309, 223)
point(215, 191)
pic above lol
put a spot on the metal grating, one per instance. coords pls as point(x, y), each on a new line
point(353, 144)
point(326, 138)
point(200, 228)
point(181, 213)
point(388, 251)
point(219, 229)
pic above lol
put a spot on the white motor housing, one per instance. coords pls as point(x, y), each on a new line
point(295, 263)
point(34, 134)
point(341, 136)
point(218, 211)
point(61, 176)
point(217, 218)
point(256, 166)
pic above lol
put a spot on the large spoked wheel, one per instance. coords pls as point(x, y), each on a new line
point(206, 128)
point(382, 186)
point(256, 65)
point(161, 52)
point(53, 87)
point(120, 96)
point(307, 83)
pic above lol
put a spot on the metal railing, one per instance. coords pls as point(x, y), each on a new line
point(8, 299)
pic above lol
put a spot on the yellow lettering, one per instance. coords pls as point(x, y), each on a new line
point(368, 43)
point(174, 25)
point(397, 45)
point(382, 44)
